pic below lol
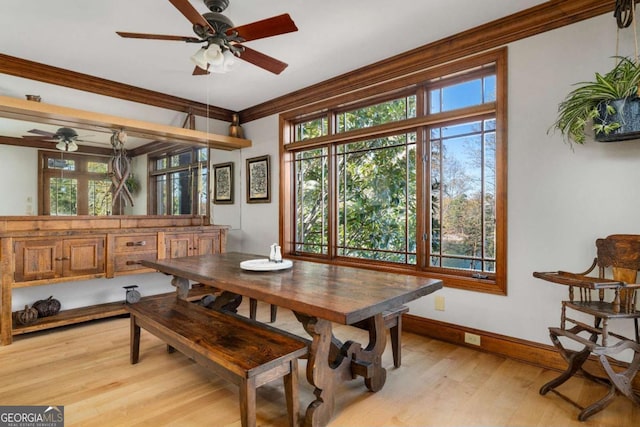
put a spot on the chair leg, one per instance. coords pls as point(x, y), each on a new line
point(575, 359)
point(623, 380)
point(274, 312)
point(253, 308)
point(598, 406)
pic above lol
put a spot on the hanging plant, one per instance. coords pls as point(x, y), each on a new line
point(610, 104)
point(605, 104)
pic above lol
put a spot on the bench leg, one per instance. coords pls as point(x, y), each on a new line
point(395, 333)
point(134, 352)
point(291, 393)
point(248, 402)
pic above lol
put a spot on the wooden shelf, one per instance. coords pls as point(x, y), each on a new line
point(41, 112)
point(72, 316)
point(94, 312)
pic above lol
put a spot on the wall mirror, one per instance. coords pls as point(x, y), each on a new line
point(22, 139)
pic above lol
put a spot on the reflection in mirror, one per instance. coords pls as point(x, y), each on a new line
point(22, 179)
point(42, 179)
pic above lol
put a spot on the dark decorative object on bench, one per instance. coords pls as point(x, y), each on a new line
point(47, 307)
point(622, 253)
point(246, 353)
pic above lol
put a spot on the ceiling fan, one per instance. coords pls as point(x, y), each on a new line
point(222, 40)
point(65, 138)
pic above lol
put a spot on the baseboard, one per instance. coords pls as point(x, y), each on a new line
point(541, 355)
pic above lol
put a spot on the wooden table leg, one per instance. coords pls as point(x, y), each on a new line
point(331, 361)
point(182, 286)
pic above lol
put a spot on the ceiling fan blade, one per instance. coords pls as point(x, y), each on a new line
point(42, 133)
point(157, 37)
point(263, 61)
point(197, 71)
point(37, 138)
point(269, 27)
point(191, 13)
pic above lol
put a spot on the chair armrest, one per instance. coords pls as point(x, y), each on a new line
point(573, 279)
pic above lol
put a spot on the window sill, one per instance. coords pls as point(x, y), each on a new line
point(491, 286)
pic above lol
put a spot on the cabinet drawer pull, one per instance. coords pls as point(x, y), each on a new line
point(64, 258)
point(133, 262)
point(139, 243)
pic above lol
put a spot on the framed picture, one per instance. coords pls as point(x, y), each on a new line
point(258, 180)
point(223, 183)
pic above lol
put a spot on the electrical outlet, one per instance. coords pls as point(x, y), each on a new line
point(439, 302)
point(472, 339)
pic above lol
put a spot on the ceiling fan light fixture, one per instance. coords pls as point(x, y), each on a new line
point(200, 58)
point(229, 60)
point(214, 55)
point(67, 146)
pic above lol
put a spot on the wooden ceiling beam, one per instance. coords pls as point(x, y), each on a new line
point(67, 78)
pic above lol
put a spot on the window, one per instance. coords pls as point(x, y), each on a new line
point(179, 183)
point(74, 184)
point(408, 180)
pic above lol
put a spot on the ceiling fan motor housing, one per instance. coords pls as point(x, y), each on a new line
point(66, 134)
point(218, 21)
point(216, 5)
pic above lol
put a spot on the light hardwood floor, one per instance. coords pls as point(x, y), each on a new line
point(86, 368)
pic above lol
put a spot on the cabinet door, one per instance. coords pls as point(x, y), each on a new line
point(206, 243)
point(37, 259)
point(83, 256)
point(179, 245)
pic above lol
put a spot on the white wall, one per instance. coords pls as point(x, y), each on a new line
point(260, 220)
point(18, 181)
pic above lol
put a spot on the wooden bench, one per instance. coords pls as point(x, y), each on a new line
point(246, 353)
point(392, 321)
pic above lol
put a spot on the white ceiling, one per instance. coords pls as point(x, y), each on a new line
point(334, 37)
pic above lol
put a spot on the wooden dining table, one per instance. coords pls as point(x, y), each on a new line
point(319, 294)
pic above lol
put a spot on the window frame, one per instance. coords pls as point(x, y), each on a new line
point(461, 69)
point(81, 174)
point(153, 173)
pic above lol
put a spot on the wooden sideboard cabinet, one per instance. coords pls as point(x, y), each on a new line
point(42, 250)
point(41, 259)
point(129, 249)
point(183, 244)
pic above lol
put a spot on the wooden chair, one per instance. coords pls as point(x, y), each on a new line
point(602, 299)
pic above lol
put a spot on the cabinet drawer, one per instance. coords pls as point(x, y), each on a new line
point(136, 243)
point(127, 262)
